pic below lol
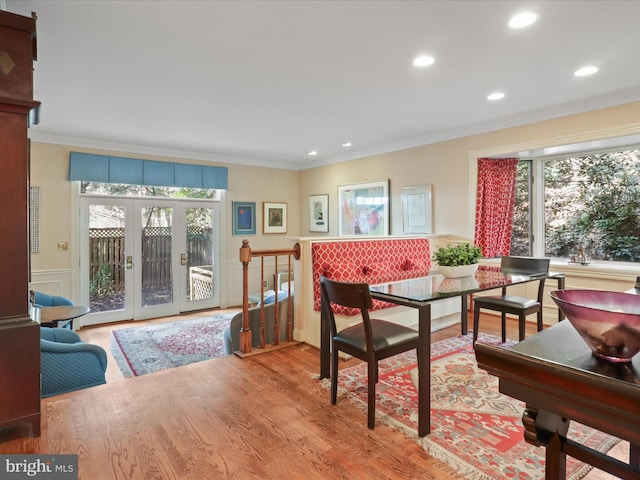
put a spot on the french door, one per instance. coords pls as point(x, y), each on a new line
point(147, 257)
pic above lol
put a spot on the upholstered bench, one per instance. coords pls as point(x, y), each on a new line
point(371, 260)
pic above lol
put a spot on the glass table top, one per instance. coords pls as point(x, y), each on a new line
point(435, 286)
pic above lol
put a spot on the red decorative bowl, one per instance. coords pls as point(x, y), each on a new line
point(608, 321)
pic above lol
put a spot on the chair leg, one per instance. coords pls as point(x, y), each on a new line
point(377, 372)
point(522, 319)
point(476, 323)
point(334, 375)
point(503, 317)
point(371, 394)
point(540, 325)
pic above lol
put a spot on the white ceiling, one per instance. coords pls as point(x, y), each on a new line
point(264, 82)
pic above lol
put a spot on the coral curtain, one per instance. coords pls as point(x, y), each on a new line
point(495, 204)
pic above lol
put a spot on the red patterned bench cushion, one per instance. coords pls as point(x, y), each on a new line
point(370, 261)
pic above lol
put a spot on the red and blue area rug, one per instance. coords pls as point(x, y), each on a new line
point(474, 428)
point(151, 348)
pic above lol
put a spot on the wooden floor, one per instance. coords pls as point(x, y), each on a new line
point(261, 417)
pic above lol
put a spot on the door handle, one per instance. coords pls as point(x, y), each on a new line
point(183, 259)
point(129, 262)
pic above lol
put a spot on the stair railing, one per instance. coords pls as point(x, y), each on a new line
point(246, 254)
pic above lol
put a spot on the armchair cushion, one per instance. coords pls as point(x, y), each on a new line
point(68, 364)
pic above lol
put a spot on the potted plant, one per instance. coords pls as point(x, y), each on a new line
point(460, 260)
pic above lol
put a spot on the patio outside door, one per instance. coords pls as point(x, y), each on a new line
point(147, 257)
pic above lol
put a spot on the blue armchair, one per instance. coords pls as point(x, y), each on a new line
point(39, 299)
point(69, 364)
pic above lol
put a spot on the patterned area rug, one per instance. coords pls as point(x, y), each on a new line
point(474, 428)
point(148, 349)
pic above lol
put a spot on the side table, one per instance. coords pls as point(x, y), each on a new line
point(59, 316)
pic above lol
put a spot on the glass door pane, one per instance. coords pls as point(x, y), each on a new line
point(197, 257)
point(156, 238)
point(106, 259)
point(107, 247)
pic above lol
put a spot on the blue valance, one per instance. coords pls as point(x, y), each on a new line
point(134, 171)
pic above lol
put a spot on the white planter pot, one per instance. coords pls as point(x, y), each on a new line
point(459, 271)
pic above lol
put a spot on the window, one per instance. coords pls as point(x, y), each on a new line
point(521, 236)
point(590, 203)
point(96, 188)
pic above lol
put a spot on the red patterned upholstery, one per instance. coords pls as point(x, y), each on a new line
point(370, 261)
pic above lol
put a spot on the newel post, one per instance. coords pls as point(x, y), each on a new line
point(245, 332)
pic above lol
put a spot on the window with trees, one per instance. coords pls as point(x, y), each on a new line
point(591, 202)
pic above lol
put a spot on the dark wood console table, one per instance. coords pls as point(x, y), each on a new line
point(554, 373)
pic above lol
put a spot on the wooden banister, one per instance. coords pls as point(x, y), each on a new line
point(246, 254)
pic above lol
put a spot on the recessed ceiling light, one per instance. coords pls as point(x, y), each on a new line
point(423, 61)
point(584, 71)
point(522, 20)
point(495, 96)
point(312, 152)
point(346, 144)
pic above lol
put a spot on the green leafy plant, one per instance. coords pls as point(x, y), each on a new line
point(455, 255)
point(102, 282)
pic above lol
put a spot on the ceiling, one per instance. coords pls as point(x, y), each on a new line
point(264, 82)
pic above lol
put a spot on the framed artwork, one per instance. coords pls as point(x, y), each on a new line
point(274, 217)
point(417, 210)
point(319, 213)
point(363, 208)
point(244, 218)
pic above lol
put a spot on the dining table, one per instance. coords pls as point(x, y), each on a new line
point(420, 293)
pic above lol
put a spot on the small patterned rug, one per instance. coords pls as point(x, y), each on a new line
point(148, 349)
point(474, 428)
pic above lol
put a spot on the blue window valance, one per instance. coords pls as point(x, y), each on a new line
point(134, 171)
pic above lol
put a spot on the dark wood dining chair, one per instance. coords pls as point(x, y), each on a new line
point(520, 306)
point(370, 340)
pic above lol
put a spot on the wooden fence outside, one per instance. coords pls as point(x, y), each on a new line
point(107, 255)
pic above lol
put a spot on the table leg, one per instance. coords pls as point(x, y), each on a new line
point(424, 370)
point(556, 460)
point(325, 351)
point(545, 428)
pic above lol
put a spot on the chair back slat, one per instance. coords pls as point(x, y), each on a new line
point(352, 295)
point(524, 264)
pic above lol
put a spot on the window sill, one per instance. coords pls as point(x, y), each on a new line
point(610, 270)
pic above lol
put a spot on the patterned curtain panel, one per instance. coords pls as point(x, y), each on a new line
point(494, 205)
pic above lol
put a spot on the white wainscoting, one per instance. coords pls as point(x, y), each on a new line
point(53, 282)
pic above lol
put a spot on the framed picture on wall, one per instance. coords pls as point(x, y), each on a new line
point(274, 217)
point(417, 210)
point(244, 218)
point(319, 213)
point(363, 208)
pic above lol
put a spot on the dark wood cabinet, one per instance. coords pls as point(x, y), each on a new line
point(19, 335)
